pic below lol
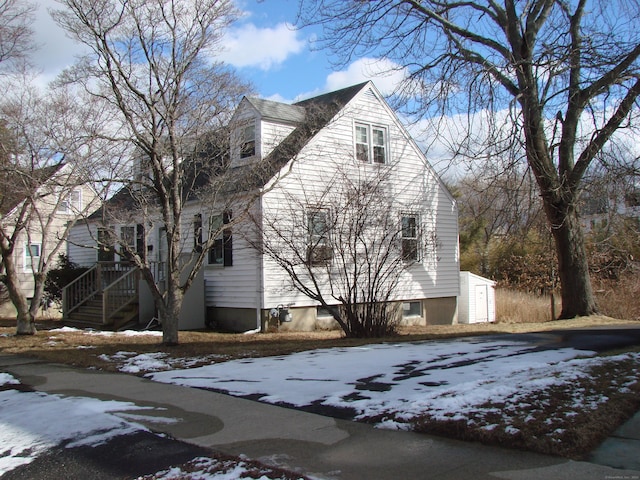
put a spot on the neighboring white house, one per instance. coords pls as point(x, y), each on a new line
point(599, 209)
point(57, 200)
point(302, 146)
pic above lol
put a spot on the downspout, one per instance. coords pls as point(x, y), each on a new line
point(260, 279)
point(259, 294)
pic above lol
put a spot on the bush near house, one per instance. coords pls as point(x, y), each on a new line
point(59, 278)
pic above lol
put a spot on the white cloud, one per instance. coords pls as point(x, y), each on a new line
point(386, 75)
point(55, 49)
point(264, 48)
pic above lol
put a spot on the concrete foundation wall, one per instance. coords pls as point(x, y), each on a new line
point(441, 311)
point(232, 319)
point(7, 310)
point(435, 311)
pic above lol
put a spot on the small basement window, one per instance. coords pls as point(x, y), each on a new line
point(412, 309)
point(323, 312)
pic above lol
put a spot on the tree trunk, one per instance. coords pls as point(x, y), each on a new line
point(25, 324)
point(573, 268)
point(171, 316)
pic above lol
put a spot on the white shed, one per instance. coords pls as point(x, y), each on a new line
point(477, 301)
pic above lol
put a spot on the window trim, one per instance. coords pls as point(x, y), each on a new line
point(105, 250)
point(197, 233)
point(28, 265)
point(319, 251)
point(127, 241)
point(247, 146)
point(406, 309)
point(370, 130)
point(67, 204)
point(415, 256)
point(223, 243)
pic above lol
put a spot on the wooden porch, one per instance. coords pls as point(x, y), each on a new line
point(105, 297)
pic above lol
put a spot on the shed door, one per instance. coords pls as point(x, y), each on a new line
point(482, 307)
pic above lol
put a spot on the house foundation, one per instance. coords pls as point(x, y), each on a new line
point(432, 311)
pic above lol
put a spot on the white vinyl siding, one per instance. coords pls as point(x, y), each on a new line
point(32, 253)
point(412, 183)
point(79, 245)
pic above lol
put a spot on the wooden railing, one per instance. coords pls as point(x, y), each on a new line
point(119, 294)
point(81, 290)
point(118, 277)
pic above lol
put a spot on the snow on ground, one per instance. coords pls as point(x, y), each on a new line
point(451, 380)
point(203, 468)
point(124, 333)
point(134, 362)
point(458, 379)
point(33, 422)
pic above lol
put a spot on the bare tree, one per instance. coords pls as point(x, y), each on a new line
point(153, 61)
point(347, 247)
point(496, 202)
point(568, 70)
point(16, 35)
point(50, 147)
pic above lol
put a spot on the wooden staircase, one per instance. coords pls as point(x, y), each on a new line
point(105, 297)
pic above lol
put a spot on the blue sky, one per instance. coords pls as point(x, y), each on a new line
point(265, 49)
point(263, 46)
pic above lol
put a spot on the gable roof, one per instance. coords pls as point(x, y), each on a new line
point(277, 110)
point(309, 116)
point(17, 186)
point(319, 111)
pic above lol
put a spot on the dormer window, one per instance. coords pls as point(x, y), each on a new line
point(248, 141)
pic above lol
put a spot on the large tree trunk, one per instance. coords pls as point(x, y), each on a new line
point(573, 267)
point(171, 316)
point(25, 324)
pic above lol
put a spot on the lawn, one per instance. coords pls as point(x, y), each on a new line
point(557, 403)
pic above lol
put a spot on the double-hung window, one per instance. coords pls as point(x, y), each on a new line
point(70, 203)
point(410, 233)
point(318, 247)
point(106, 249)
point(197, 233)
point(31, 256)
point(371, 143)
point(128, 241)
point(221, 253)
point(248, 140)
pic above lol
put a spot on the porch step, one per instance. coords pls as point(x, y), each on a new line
point(84, 296)
point(90, 316)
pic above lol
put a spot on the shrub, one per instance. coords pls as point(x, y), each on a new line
point(59, 278)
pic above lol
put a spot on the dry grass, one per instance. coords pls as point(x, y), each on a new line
point(79, 349)
point(619, 298)
point(518, 307)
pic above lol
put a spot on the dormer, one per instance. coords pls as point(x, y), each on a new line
point(258, 126)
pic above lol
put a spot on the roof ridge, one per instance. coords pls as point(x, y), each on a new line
point(346, 91)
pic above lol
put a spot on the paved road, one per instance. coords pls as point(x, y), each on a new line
point(322, 447)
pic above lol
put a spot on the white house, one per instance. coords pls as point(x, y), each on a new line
point(304, 150)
